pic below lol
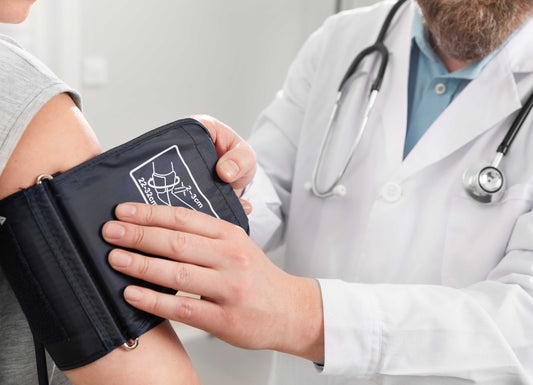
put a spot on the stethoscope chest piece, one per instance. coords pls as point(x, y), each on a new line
point(485, 184)
point(491, 179)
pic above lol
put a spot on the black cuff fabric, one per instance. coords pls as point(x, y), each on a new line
point(54, 255)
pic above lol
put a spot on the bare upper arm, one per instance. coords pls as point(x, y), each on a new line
point(57, 139)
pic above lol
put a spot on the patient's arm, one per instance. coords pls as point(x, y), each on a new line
point(59, 138)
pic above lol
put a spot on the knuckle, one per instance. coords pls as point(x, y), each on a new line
point(153, 305)
point(239, 231)
point(228, 319)
point(178, 243)
point(237, 290)
point(250, 160)
point(228, 230)
point(183, 276)
point(180, 216)
point(138, 236)
point(223, 233)
point(246, 155)
point(241, 259)
point(184, 310)
point(144, 266)
point(148, 214)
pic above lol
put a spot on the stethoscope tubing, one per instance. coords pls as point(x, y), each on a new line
point(504, 146)
point(471, 178)
point(330, 191)
point(379, 48)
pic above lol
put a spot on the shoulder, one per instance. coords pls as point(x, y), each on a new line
point(349, 26)
point(26, 85)
point(347, 32)
point(19, 65)
point(23, 76)
point(332, 47)
point(362, 17)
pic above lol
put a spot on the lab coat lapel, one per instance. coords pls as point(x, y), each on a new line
point(485, 102)
point(392, 103)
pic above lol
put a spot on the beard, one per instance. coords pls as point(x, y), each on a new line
point(468, 30)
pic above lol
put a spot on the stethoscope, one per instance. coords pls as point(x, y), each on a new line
point(485, 183)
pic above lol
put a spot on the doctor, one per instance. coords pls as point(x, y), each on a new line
point(417, 283)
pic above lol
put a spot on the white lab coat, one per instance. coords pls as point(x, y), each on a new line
point(420, 283)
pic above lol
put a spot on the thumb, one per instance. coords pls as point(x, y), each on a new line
point(223, 136)
point(236, 163)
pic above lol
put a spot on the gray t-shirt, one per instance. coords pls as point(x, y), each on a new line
point(25, 86)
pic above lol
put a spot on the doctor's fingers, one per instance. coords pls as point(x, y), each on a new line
point(176, 245)
point(237, 166)
point(174, 275)
point(199, 313)
point(236, 163)
point(173, 218)
point(223, 136)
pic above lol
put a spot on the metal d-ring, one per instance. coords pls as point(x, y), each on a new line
point(43, 177)
point(131, 344)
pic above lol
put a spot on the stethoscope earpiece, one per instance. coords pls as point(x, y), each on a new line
point(339, 191)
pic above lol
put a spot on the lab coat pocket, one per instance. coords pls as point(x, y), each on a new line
point(477, 234)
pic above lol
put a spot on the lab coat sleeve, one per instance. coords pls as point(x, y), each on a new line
point(265, 219)
point(274, 139)
point(401, 334)
point(422, 334)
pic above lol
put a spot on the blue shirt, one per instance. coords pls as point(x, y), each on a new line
point(431, 87)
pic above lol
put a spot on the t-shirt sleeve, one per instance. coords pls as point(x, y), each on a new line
point(26, 85)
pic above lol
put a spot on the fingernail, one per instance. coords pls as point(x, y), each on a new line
point(114, 231)
point(230, 169)
point(132, 294)
point(125, 210)
point(119, 259)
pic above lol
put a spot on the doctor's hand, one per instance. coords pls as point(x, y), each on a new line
point(245, 299)
point(236, 164)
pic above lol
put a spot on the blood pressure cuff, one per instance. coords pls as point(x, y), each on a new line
point(54, 256)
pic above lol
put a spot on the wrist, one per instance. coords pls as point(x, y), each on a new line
point(305, 331)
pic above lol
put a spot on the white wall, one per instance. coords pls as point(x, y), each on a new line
point(171, 58)
point(346, 4)
point(52, 33)
point(141, 64)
